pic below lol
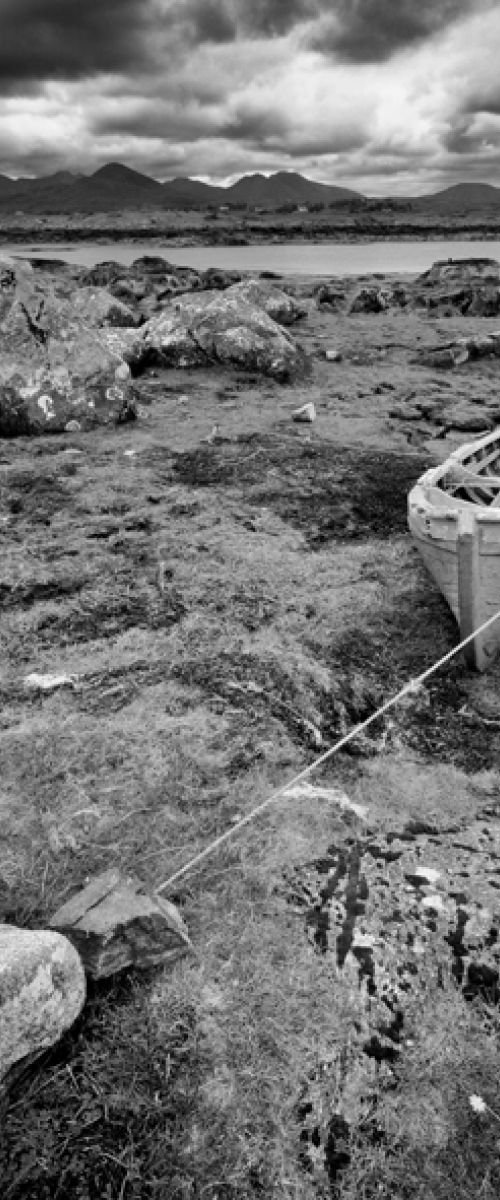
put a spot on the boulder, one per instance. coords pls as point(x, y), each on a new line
point(42, 991)
point(97, 306)
point(54, 367)
point(329, 296)
point(454, 354)
point(469, 419)
point(146, 286)
point(219, 327)
point(217, 279)
point(470, 286)
point(376, 300)
point(277, 304)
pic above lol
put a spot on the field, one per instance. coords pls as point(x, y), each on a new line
point(228, 592)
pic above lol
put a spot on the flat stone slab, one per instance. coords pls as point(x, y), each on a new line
point(42, 991)
point(115, 923)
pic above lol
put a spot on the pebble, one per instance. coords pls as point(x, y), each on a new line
point(333, 356)
point(306, 414)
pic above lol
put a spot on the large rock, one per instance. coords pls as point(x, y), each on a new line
point(469, 286)
point(455, 354)
point(378, 299)
point(54, 367)
point(97, 306)
point(277, 304)
point(219, 327)
point(42, 991)
point(146, 286)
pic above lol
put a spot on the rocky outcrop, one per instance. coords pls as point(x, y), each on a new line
point(455, 354)
point(397, 909)
point(146, 286)
point(468, 286)
point(377, 300)
point(42, 991)
point(54, 367)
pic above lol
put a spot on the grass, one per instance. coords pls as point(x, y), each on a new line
point(227, 611)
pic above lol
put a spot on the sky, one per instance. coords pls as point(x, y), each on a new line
point(390, 97)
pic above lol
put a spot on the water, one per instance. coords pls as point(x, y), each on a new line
point(287, 258)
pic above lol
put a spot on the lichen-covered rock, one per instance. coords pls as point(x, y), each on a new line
point(469, 286)
point(42, 991)
point(219, 327)
point(97, 306)
point(278, 305)
point(377, 300)
point(54, 367)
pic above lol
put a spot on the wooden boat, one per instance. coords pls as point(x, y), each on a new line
point(454, 517)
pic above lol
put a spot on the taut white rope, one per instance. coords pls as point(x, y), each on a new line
point(411, 687)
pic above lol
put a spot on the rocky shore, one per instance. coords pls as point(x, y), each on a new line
point(203, 482)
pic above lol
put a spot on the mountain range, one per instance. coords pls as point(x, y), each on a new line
point(116, 186)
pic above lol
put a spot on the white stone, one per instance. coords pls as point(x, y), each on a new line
point(48, 683)
point(42, 991)
point(333, 355)
point(306, 413)
point(435, 903)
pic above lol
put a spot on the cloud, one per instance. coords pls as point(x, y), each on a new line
point(71, 39)
point(364, 31)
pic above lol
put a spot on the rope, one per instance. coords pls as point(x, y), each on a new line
point(409, 688)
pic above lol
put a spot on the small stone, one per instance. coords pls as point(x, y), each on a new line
point(434, 902)
point(122, 372)
point(305, 414)
point(72, 427)
point(42, 991)
point(48, 683)
point(333, 356)
point(114, 923)
point(422, 875)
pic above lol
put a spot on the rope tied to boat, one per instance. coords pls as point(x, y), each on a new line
point(411, 688)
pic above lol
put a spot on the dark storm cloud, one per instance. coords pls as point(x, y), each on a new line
point(194, 22)
point(484, 101)
point(71, 39)
point(276, 17)
point(362, 31)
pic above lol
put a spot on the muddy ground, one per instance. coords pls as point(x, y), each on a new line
point(228, 592)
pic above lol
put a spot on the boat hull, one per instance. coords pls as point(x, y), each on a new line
point(437, 520)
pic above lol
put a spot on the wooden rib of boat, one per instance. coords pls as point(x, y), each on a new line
point(454, 517)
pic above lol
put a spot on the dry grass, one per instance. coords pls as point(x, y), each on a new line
point(199, 688)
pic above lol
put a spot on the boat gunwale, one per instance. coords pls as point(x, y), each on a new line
point(420, 496)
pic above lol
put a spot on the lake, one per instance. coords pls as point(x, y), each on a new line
point(286, 258)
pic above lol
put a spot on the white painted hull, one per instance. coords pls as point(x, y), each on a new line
point(435, 512)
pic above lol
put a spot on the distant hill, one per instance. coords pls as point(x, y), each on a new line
point(116, 186)
point(191, 193)
point(462, 197)
point(285, 187)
